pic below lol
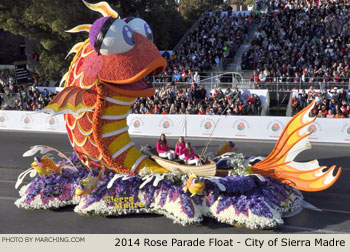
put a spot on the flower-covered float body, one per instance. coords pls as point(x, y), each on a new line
point(105, 77)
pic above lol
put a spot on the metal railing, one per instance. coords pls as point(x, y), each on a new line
point(233, 79)
point(288, 86)
point(208, 79)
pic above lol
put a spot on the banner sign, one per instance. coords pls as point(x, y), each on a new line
point(331, 130)
point(154, 125)
point(35, 121)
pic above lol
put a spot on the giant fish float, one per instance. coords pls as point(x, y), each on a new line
point(105, 77)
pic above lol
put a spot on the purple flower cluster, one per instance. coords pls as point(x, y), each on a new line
point(239, 185)
point(243, 193)
point(174, 193)
point(186, 205)
point(55, 185)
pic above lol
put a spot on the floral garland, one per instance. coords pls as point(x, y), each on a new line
point(242, 200)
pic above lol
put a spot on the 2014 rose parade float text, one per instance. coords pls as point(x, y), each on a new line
point(106, 175)
point(217, 242)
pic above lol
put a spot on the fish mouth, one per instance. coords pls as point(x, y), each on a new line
point(137, 86)
point(198, 186)
point(79, 192)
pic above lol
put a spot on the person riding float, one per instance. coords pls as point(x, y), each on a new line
point(163, 150)
point(189, 156)
point(180, 147)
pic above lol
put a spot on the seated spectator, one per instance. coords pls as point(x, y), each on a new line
point(294, 104)
point(201, 111)
point(164, 112)
point(339, 114)
point(330, 114)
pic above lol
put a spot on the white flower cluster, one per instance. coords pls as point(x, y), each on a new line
point(237, 162)
point(250, 220)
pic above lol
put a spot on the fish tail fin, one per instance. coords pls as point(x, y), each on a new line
point(280, 164)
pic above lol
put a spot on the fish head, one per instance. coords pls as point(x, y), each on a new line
point(37, 164)
point(196, 184)
point(80, 191)
point(124, 54)
point(86, 185)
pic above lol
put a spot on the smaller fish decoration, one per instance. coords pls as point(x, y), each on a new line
point(86, 186)
point(45, 165)
point(43, 149)
point(194, 185)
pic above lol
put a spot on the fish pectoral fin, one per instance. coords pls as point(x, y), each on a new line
point(72, 100)
point(184, 188)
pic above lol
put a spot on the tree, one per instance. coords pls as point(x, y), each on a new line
point(47, 20)
point(242, 2)
point(193, 9)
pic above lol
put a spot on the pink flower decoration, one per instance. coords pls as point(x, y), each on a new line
point(93, 64)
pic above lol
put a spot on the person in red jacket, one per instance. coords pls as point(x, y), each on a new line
point(180, 148)
point(190, 156)
point(294, 104)
point(251, 104)
point(201, 111)
point(163, 150)
point(164, 112)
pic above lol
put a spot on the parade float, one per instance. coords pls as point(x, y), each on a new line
point(106, 175)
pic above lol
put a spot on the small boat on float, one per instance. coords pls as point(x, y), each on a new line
point(207, 169)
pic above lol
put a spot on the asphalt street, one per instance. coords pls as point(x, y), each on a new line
point(334, 203)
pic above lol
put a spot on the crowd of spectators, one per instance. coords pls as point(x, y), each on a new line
point(197, 100)
point(301, 41)
point(216, 37)
point(328, 104)
point(28, 98)
point(22, 97)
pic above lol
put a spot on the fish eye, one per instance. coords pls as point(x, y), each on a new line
point(195, 180)
point(115, 37)
point(201, 179)
point(140, 26)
